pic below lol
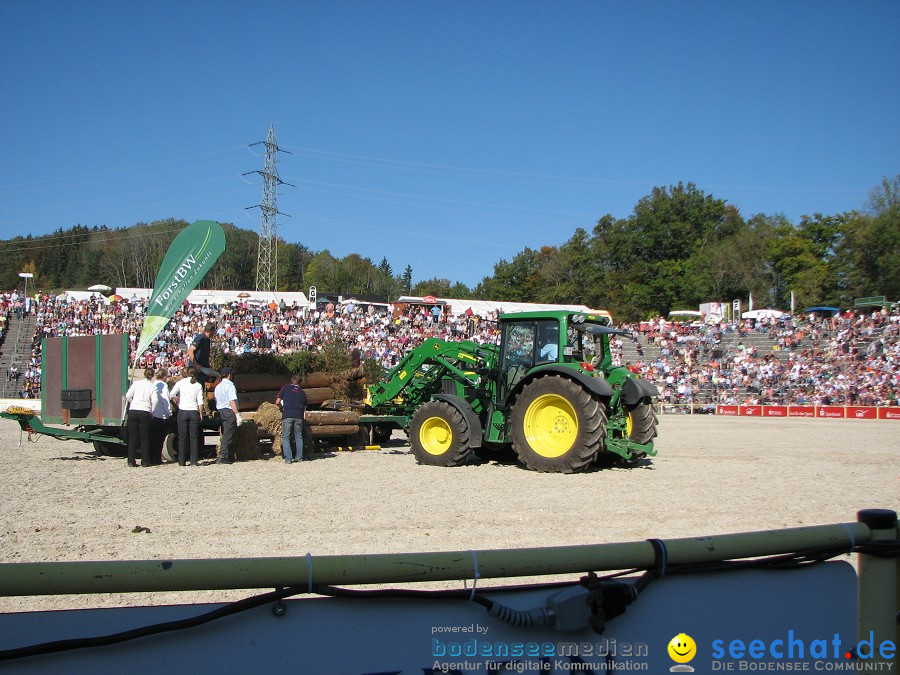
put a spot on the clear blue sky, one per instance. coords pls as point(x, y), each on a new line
point(444, 135)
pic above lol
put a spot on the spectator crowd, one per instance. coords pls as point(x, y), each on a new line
point(848, 359)
point(852, 358)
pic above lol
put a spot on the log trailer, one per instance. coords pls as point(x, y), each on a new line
point(549, 391)
point(83, 384)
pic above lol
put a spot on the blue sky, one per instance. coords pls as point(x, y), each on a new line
point(443, 135)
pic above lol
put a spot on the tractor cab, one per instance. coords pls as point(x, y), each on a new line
point(532, 339)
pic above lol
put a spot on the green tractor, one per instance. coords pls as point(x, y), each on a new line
point(549, 391)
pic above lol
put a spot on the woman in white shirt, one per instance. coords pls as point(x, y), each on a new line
point(142, 399)
point(189, 395)
point(162, 423)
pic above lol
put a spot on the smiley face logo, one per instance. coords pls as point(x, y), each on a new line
point(682, 648)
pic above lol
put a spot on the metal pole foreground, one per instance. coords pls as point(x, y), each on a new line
point(877, 591)
point(58, 578)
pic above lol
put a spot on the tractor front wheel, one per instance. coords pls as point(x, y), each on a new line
point(557, 425)
point(439, 435)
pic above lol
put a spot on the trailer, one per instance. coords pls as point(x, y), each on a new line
point(83, 385)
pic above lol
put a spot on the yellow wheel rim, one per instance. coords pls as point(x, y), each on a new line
point(629, 425)
point(435, 436)
point(551, 425)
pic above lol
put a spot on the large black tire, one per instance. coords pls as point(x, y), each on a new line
point(557, 425)
point(170, 447)
point(439, 435)
point(641, 423)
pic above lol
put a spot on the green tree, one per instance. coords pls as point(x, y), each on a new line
point(406, 280)
point(515, 281)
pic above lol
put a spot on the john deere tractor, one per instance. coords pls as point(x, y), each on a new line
point(549, 391)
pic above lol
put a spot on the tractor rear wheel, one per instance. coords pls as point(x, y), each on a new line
point(439, 435)
point(640, 424)
point(557, 425)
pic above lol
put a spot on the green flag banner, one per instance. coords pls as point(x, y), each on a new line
point(187, 261)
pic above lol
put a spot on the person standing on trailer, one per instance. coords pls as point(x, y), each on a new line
point(142, 398)
point(226, 405)
point(189, 394)
point(292, 401)
point(198, 355)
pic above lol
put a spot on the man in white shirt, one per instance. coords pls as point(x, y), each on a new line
point(142, 398)
point(226, 406)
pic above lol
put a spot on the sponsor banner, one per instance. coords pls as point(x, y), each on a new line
point(751, 621)
point(801, 411)
point(834, 411)
point(186, 262)
point(858, 412)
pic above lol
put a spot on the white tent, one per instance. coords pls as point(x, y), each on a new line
point(216, 297)
point(762, 314)
point(482, 307)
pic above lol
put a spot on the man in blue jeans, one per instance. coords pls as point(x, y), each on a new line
point(292, 401)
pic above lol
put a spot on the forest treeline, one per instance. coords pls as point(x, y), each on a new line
point(678, 248)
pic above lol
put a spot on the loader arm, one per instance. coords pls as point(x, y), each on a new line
point(418, 371)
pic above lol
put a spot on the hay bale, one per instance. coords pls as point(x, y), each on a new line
point(268, 417)
point(246, 442)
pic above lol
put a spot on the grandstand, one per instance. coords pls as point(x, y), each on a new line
point(849, 359)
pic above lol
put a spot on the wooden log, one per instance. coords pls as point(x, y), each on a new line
point(318, 395)
point(256, 382)
point(261, 382)
point(323, 417)
point(251, 400)
point(324, 431)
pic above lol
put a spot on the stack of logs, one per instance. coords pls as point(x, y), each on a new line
point(255, 391)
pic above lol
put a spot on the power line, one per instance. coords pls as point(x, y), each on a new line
point(405, 165)
point(117, 169)
point(439, 199)
point(19, 247)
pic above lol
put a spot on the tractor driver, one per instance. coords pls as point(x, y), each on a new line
point(549, 339)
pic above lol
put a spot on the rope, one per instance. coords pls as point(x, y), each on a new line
point(476, 575)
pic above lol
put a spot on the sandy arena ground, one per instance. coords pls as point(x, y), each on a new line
point(60, 502)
